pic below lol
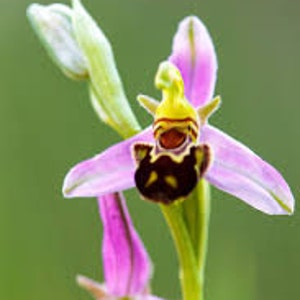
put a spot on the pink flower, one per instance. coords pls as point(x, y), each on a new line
point(235, 169)
point(127, 267)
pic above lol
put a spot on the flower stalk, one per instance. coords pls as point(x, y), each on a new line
point(196, 212)
point(189, 275)
point(188, 222)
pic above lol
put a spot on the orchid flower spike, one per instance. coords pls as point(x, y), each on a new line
point(127, 267)
point(181, 146)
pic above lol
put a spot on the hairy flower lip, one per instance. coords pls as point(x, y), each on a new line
point(236, 169)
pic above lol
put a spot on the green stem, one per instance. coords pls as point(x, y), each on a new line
point(188, 222)
point(196, 211)
point(204, 212)
point(189, 275)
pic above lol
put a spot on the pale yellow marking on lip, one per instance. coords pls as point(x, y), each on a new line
point(152, 178)
point(171, 181)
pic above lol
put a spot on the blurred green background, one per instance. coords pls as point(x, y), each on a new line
point(47, 125)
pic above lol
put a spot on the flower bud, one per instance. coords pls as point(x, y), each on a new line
point(107, 93)
point(53, 26)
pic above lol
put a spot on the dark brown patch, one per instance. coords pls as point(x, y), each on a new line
point(186, 173)
point(140, 151)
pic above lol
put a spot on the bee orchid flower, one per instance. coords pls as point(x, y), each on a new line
point(127, 267)
point(190, 76)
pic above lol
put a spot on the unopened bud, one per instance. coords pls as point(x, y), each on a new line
point(108, 95)
point(53, 26)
